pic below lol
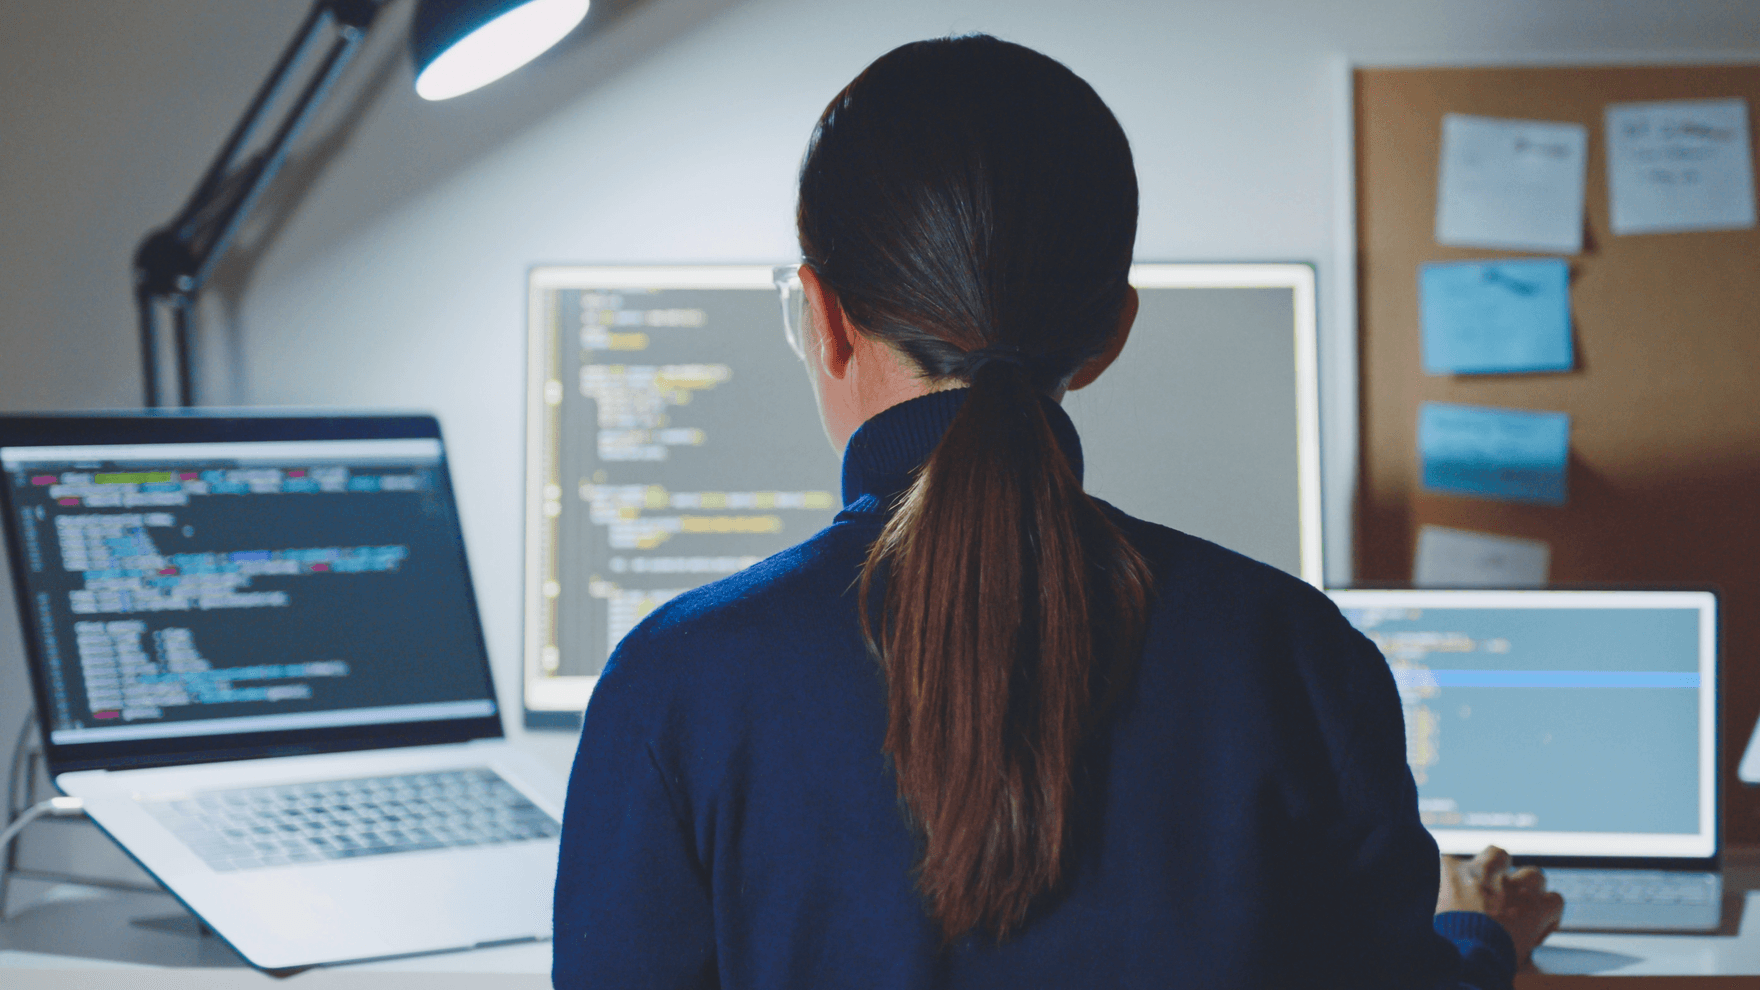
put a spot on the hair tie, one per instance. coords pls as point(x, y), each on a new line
point(974, 361)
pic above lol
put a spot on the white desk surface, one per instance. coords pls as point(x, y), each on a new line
point(78, 937)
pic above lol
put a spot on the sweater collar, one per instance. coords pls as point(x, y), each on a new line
point(883, 455)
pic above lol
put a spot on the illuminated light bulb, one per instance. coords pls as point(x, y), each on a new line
point(499, 47)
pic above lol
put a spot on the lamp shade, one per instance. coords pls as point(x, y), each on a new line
point(459, 45)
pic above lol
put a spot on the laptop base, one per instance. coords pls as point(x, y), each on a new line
point(1661, 901)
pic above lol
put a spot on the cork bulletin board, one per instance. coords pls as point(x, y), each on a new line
point(1664, 398)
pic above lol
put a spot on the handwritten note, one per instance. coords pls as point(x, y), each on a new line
point(1509, 454)
point(1459, 558)
point(1502, 316)
point(1511, 184)
point(1679, 165)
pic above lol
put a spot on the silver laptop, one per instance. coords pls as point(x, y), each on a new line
point(257, 657)
point(1576, 729)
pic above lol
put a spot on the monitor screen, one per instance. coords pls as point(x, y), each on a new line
point(673, 439)
point(202, 589)
point(1555, 723)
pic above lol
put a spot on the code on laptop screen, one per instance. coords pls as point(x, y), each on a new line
point(194, 589)
point(1563, 722)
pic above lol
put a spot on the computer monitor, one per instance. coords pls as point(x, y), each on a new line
point(1556, 723)
point(190, 585)
point(672, 438)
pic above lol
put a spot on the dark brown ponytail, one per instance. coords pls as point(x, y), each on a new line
point(973, 204)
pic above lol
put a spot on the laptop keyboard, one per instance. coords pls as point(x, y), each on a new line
point(253, 827)
point(1635, 886)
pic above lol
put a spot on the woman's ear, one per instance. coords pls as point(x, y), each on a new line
point(827, 333)
point(1092, 368)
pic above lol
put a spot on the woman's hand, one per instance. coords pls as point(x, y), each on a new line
point(1518, 901)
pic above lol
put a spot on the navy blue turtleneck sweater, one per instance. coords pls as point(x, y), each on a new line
point(732, 822)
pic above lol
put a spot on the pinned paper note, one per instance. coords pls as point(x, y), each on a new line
point(1508, 454)
point(1513, 184)
point(1679, 165)
point(1460, 558)
point(1502, 316)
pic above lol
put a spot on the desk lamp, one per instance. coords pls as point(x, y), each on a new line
point(457, 45)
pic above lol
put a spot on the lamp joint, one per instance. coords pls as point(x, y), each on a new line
point(355, 14)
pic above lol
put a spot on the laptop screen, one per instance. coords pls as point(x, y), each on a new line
point(178, 590)
point(1556, 723)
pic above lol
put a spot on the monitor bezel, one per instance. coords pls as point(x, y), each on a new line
point(1702, 599)
point(221, 426)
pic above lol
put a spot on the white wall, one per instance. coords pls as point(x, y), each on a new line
point(108, 112)
point(1237, 113)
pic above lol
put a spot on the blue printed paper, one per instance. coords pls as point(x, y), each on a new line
point(1496, 316)
point(1508, 454)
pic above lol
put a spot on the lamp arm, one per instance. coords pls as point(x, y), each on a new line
point(173, 262)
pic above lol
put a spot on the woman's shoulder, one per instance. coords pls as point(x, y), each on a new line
point(1187, 565)
point(733, 627)
point(1207, 593)
point(1242, 625)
